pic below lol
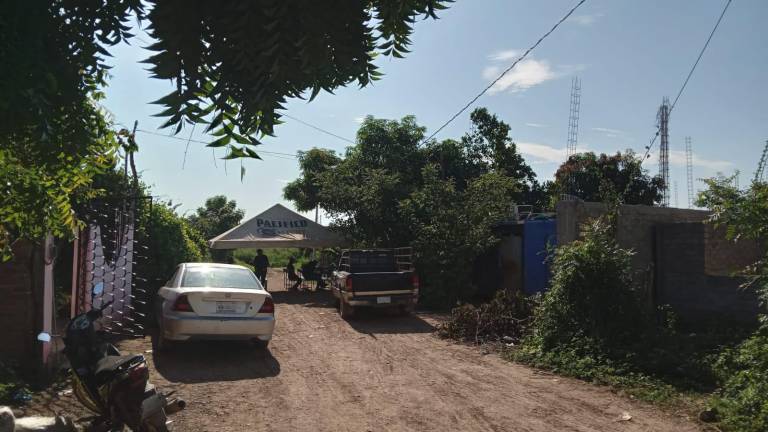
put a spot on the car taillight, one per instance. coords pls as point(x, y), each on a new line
point(415, 281)
point(182, 304)
point(348, 284)
point(268, 306)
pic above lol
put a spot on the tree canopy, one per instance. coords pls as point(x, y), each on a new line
point(391, 189)
point(234, 64)
point(599, 178)
point(305, 191)
point(239, 61)
point(218, 215)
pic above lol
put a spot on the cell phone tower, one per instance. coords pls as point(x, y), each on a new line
point(573, 118)
point(689, 169)
point(761, 165)
point(663, 123)
point(677, 203)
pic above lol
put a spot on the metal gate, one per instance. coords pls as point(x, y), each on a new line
point(106, 259)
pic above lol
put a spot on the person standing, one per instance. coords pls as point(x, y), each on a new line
point(260, 266)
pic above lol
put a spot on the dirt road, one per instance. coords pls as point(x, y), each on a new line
point(379, 373)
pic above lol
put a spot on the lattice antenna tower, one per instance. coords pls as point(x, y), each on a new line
point(761, 165)
point(573, 117)
point(663, 123)
point(689, 169)
point(677, 205)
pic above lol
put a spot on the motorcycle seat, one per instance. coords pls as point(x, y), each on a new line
point(109, 364)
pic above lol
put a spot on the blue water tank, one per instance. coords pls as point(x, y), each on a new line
point(538, 236)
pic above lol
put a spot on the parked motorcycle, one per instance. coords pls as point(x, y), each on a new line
point(115, 387)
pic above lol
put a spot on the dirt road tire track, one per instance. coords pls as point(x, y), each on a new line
point(377, 373)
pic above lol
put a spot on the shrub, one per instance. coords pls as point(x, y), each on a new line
point(591, 297)
point(10, 383)
point(506, 317)
point(743, 398)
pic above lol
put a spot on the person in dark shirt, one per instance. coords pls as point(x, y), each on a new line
point(260, 266)
point(310, 272)
point(292, 276)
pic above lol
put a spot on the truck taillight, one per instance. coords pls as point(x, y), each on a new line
point(415, 281)
point(138, 375)
point(182, 304)
point(348, 284)
point(268, 306)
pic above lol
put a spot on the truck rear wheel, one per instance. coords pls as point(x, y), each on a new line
point(346, 310)
point(407, 310)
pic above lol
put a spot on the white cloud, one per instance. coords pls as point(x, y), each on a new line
point(536, 125)
point(607, 131)
point(525, 75)
point(359, 119)
point(283, 181)
point(677, 158)
point(542, 152)
point(586, 20)
point(505, 55)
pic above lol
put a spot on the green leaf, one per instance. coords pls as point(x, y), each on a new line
point(221, 142)
point(252, 154)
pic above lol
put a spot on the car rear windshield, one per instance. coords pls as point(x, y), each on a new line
point(219, 277)
point(372, 261)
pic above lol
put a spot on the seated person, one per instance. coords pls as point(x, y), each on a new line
point(310, 272)
point(292, 276)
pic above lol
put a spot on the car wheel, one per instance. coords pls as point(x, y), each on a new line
point(261, 344)
point(159, 342)
point(346, 310)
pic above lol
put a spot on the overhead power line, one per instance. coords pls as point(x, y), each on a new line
point(688, 78)
point(519, 59)
point(318, 128)
point(276, 154)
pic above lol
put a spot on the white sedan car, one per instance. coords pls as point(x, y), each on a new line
point(205, 301)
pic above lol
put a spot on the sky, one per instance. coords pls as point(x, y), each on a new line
point(628, 55)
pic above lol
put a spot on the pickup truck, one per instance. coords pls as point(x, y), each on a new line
point(375, 278)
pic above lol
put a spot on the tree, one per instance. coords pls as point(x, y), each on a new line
point(43, 179)
point(234, 65)
point(451, 228)
point(594, 178)
point(237, 62)
point(363, 191)
point(305, 190)
point(217, 216)
point(490, 148)
point(391, 190)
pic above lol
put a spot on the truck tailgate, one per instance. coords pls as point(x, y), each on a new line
point(381, 283)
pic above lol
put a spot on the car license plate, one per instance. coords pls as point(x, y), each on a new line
point(228, 307)
point(382, 300)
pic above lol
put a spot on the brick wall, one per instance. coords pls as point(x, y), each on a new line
point(683, 283)
point(20, 285)
point(635, 225)
point(679, 260)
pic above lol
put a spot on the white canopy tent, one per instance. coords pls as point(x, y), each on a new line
point(277, 227)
